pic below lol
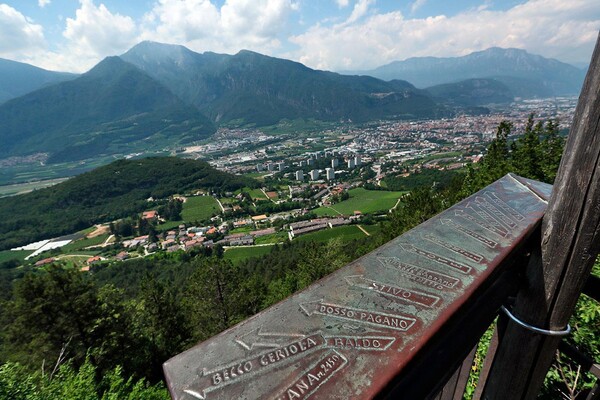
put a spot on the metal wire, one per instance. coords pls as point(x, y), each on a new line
point(535, 329)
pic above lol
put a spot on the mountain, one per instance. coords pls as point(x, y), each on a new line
point(116, 190)
point(472, 92)
point(17, 79)
point(252, 88)
point(525, 74)
point(113, 108)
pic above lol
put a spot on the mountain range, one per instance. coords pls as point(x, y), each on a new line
point(526, 75)
point(17, 79)
point(102, 111)
point(158, 95)
point(263, 90)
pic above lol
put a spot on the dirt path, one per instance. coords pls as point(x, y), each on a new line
point(220, 205)
point(364, 230)
point(339, 213)
point(100, 230)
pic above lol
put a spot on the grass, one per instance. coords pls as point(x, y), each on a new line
point(257, 194)
point(347, 232)
point(82, 243)
point(19, 255)
point(75, 261)
point(326, 211)
point(242, 229)
point(363, 200)
point(277, 237)
point(168, 225)
point(372, 229)
point(239, 254)
point(199, 208)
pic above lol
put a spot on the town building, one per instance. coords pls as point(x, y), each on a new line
point(330, 174)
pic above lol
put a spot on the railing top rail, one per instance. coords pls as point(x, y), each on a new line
point(351, 334)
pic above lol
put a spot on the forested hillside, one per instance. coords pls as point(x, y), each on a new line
point(117, 190)
point(114, 108)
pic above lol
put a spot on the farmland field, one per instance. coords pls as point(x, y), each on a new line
point(11, 190)
point(238, 254)
point(257, 194)
point(347, 232)
point(82, 243)
point(372, 229)
point(365, 201)
point(199, 208)
point(17, 255)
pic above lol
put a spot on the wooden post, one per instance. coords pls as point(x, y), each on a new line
point(558, 272)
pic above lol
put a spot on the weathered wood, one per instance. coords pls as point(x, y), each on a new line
point(594, 394)
point(487, 364)
point(455, 387)
point(570, 244)
point(448, 390)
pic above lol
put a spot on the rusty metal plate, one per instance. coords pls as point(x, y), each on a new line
point(349, 334)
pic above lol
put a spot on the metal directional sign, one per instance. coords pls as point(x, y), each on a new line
point(350, 334)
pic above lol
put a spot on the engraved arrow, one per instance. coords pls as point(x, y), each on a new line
point(468, 232)
point(436, 257)
point(496, 213)
point(309, 307)
point(483, 224)
point(195, 394)
point(394, 292)
point(258, 338)
point(236, 371)
point(397, 321)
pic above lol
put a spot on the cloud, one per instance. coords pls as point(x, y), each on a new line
point(238, 24)
point(552, 28)
point(43, 3)
point(95, 32)
point(359, 10)
point(416, 5)
point(18, 34)
point(342, 3)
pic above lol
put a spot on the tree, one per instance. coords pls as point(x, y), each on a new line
point(211, 296)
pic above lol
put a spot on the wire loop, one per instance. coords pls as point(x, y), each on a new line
point(535, 329)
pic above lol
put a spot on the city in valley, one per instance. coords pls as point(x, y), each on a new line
point(318, 182)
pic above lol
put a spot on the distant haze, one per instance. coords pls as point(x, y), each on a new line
point(527, 75)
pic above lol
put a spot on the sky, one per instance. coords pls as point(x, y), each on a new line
point(338, 35)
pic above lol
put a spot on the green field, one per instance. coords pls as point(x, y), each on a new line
point(276, 237)
point(347, 232)
point(238, 254)
point(257, 194)
point(372, 229)
point(17, 255)
point(365, 201)
point(168, 225)
point(23, 173)
point(82, 243)
point(19, 188)
point(199, 208)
